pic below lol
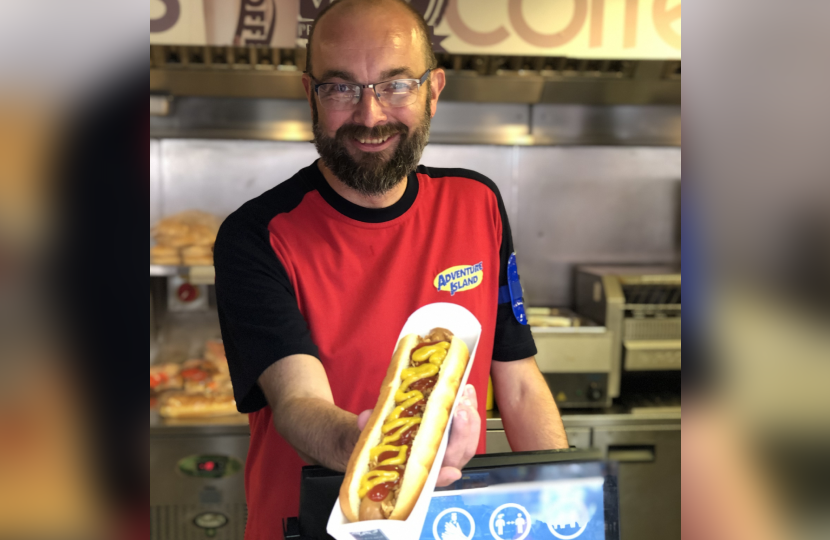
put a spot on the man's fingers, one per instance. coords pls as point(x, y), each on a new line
point(363, 419)
point(473, 436)
point(459, 439)
point(464, 434)
point(465, 431)
point(470, 402)
point(447, 476)
point(470, 397)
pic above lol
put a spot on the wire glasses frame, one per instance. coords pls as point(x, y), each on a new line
point(394, 93)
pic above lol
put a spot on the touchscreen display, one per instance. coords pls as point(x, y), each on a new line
point(565, 501)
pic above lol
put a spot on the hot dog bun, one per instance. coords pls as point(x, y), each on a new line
point(428, 439)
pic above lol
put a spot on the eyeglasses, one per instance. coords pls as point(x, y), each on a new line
point(342, 96)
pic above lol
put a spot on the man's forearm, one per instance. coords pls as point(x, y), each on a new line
point(322, 433)
point(532, 421)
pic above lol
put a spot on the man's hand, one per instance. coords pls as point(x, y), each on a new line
point(464, 435)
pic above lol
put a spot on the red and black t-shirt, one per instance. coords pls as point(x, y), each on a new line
point(300, 270)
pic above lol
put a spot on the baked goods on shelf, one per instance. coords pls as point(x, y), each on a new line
point(190, 228)
point(197, 256)
point(185, 238)
point(184, 405)
point(205, 376)
point(165, 377)
point(198, 388)
point(165, 255)
point(215, 352)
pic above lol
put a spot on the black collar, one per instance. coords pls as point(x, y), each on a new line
point(360, 213)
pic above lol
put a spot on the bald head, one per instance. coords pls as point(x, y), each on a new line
point(358, 17)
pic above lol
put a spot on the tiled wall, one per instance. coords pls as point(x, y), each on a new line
point(567, 205)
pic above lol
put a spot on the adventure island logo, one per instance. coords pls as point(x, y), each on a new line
point(460, 278)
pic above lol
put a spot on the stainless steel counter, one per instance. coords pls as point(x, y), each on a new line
point(638, 417)
point(170, 427)
point(238, 424)
point(645, 442)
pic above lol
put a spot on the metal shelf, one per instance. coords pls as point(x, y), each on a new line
point(201, 275)
point(157, 270)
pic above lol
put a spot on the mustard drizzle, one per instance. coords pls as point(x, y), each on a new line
point(434, 355)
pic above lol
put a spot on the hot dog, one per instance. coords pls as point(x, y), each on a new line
point(392, 459)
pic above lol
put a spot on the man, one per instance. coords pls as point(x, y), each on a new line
point(316, 278)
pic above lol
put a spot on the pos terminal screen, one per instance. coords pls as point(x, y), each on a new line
point(554, 501)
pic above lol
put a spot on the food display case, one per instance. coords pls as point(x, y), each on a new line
point(198, 440)
point(196, 463)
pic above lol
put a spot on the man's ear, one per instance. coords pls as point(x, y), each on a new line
point(438, 79)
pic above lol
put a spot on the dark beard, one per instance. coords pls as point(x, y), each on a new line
point(372, 174)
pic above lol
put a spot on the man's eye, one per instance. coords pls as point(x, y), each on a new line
point(395, 87)
point(336, 89)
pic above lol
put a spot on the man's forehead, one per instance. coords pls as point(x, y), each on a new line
point(367, 18)
point(388, 37)
point(390, 42)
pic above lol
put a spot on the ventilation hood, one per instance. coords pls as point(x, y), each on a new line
point(256, 93)
point(256, 72)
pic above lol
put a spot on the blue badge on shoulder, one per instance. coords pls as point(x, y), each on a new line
point(512, 292)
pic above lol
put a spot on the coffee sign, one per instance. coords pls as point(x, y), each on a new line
point(224, 22)
point(604, 29)
point(618, 29)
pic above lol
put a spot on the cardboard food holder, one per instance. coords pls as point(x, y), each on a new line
point(466, 327)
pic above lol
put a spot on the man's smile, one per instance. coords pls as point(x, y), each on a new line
point(374, 145)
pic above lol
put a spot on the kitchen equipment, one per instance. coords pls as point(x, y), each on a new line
point(197, 478)
point(640, 307)
point(574, 355)
point(182, 295)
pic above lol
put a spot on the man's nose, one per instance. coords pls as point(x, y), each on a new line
point(368, 111)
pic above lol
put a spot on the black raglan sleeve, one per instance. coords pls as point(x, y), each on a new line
point(513, 340)
point(258, 313)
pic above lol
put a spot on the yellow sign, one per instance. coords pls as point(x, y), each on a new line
point(460, 278)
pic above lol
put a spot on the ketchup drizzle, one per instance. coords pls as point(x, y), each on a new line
point(425, 386)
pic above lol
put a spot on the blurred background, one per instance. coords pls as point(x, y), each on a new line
point(583, 139)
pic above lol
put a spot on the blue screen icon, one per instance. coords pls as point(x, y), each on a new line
point(566, 509)
point(453, 524)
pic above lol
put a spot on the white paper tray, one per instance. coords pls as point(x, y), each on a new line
point(466, 327)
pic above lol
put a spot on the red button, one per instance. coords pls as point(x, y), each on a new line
point(187, 292)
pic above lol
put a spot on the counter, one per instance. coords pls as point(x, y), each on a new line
point(225, 425)
point(644, 441)
point(238, 425)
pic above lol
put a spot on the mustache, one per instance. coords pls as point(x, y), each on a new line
point(384, 131)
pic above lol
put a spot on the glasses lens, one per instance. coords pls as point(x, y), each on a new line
point(338, 95)
point(398, 93)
